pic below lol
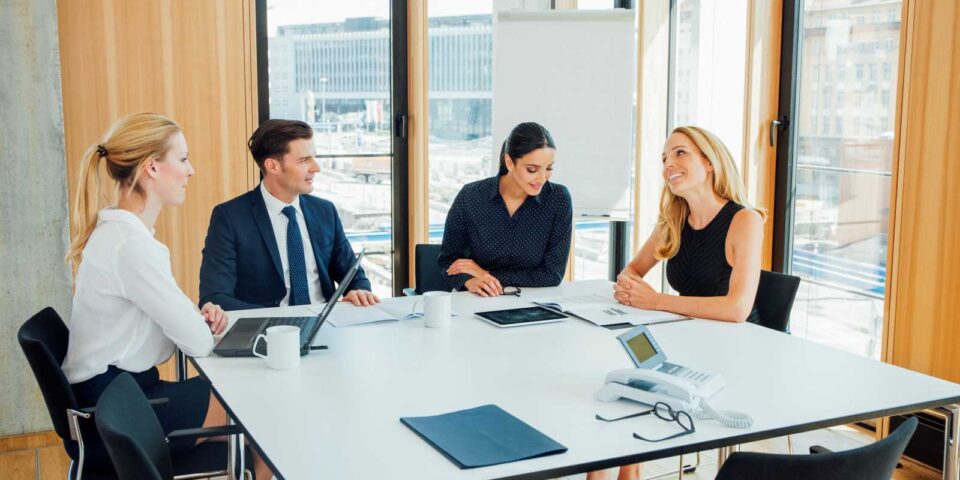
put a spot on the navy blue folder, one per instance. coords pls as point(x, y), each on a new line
point(482, 436)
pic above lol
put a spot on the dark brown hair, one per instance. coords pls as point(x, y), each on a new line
point(523, 139)
point(272, 138)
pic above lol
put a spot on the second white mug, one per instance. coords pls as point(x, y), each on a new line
point(283, 347)
point(436, 309)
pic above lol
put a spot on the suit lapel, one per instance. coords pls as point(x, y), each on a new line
point(310, 218)
point(260, 217)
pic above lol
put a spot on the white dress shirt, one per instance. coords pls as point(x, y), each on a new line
point(279, 222)
point(127, 308)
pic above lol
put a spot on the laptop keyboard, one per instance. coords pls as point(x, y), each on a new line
point(300, 322)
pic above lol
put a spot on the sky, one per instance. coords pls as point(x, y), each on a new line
point(293, 12)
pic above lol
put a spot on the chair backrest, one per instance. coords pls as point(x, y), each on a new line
point(775, 295)
point(872, 462)
point(43, 339)
point(130, 430)
point(427, 272)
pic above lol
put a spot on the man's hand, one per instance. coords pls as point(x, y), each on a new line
point(215, 317)
point(465, 265)
point(485, 286)
point(361, 298)
point(633, 291)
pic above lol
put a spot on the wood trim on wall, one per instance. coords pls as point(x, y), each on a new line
point(194, 62)
point(653, 53)
point(923, 309)
point(761, 96)
point(419, 148)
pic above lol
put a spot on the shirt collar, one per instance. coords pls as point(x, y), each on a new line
point(492, 191)
point(274, 205)
point(114, 214)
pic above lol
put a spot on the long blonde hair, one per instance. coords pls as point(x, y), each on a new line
point(727, 183)
point(129, 142)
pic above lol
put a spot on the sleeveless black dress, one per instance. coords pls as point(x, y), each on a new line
point(700, 268)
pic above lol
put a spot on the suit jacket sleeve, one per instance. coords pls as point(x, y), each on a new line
point(342, 257)
point(218, 270)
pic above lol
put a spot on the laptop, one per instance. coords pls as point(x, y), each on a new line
point(238, 341)
point(646, 353)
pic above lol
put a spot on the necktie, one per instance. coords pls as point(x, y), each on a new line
point(299, 290)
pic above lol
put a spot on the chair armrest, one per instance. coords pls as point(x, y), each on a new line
point(409, 292)
point(205, 432)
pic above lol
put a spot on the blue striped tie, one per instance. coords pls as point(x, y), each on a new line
point(299, 291)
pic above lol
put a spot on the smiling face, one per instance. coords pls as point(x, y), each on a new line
point(169, 174)
point(293, 174)
point(533, 170)
point(685, 168)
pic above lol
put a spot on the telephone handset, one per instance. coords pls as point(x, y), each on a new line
point(652, 386)
point(649, 387)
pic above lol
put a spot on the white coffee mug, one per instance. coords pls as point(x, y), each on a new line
point(436, 309)
point(283, 347)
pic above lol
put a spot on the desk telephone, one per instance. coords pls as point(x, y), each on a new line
point(656, 380)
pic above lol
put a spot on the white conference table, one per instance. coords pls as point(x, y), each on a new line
point(337, 415)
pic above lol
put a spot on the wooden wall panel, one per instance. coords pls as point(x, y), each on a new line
point(762, 85)
point(923, 306)
point(192, 61)
point(418, 150)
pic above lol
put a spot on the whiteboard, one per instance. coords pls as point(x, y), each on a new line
point(572, 72)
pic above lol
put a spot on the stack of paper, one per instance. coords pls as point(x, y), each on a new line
point(346, 314)
point(603, 310)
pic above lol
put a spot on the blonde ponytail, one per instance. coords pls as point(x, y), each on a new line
point(86, 205)
point(129, 142)
point(727, 183)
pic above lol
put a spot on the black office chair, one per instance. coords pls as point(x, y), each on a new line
point(426, 273)
point(136, 443)
point(43, 339)
point(872, 462)
point(775, 295)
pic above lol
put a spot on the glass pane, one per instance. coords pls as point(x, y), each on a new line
point(710, 61)
point(330, 67)
point(844, 149)
point(591, 257)
point(461, 100)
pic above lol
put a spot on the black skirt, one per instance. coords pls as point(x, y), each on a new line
point(187, 406)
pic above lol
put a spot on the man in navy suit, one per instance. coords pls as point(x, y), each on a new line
point(277, 244)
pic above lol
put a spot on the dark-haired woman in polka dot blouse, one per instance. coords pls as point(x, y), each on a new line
point(512, 230)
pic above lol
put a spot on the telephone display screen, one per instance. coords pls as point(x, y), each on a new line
point(641, 347)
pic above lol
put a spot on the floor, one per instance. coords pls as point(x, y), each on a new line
point(52, 463)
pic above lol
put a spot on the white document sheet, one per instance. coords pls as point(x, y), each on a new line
point(603, 310)
point(346, 314)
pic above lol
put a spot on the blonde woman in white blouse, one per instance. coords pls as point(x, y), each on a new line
point(129, 315)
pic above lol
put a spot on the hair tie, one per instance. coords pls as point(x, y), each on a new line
point(101, 151)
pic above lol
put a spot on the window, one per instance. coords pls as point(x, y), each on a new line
point(835, 233)
point(332, 68)
point(461, 147)
point(711, 35)
point(460, 75)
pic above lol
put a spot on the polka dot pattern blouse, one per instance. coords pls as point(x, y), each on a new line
point(529, 249)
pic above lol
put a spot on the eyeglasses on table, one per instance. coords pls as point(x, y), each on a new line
point(663, 412)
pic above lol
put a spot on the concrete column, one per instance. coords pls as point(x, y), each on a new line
point(34, 229)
